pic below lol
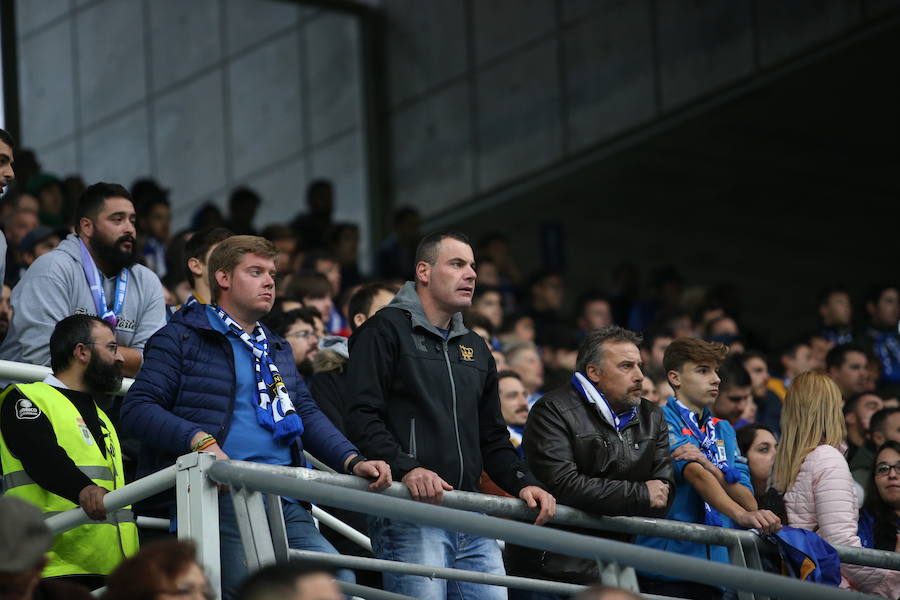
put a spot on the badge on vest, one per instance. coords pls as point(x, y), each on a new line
point(720, 449)
point(85, 432)
point(466, 353)
point(26, 410)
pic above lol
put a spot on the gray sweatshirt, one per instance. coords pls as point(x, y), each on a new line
point(55, 287)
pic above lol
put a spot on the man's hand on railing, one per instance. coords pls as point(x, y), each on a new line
point(426, 486)
point(377, 470)
point(659, 493)
point(764, 520)
point(90, 498)
point(534, 496)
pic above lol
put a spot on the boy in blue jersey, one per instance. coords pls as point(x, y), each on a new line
point(712, 480)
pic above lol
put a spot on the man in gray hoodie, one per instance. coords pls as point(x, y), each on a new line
point(92, 271)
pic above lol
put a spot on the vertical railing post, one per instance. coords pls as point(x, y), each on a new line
point(254, 528)
point(197, 501)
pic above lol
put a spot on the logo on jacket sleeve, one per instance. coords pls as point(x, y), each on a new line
point(466, 353)
point(25, 409)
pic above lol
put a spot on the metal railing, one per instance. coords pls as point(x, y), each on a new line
point(195, 477)
point(286, 481)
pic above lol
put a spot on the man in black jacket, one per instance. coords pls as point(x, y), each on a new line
point(422, 395)
point(599, 447)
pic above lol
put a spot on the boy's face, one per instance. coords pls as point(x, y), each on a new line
point(696, 383)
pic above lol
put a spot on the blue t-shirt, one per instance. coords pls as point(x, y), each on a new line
point(688, 505)
point(246, 438)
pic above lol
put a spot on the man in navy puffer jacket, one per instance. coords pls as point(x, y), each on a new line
point(215, 379)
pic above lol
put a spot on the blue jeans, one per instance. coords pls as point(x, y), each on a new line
point(301, 533)
point(407, 542)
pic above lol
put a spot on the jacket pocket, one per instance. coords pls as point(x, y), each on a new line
point(412, 437)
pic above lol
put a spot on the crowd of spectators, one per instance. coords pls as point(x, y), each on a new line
point(822, 407)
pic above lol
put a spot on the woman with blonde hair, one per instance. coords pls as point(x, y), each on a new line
point(811, 471)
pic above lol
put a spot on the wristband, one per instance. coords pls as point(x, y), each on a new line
point(355, 461)
point(204, 442)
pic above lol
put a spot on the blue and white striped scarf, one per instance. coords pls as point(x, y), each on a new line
point(278, 414)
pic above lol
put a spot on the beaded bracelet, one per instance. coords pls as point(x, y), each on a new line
point(204, 442)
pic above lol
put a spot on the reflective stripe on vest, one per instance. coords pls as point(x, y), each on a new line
point(94, 548)
point(14, 480)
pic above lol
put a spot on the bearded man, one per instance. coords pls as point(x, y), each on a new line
point(93, 271)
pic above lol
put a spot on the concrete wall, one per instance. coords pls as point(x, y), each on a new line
point(202, 94)
point(483, 93)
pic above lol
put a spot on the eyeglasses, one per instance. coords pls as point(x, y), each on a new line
point(301, 334)
point(112, 346)
point(882, 469)
point(184, 592)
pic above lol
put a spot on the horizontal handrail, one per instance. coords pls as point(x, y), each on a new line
point(284, 481)
point(116, 499)
point(393, 566)
point(28, 373)
point(499, 506)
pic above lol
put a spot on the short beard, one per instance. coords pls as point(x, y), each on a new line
point(306, 367)
point(111, 256)
point(101, 377)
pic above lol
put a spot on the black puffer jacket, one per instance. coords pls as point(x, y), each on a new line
point(582, 461)
point(415, 399)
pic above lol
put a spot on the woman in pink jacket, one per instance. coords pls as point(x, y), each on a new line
point(811, 471)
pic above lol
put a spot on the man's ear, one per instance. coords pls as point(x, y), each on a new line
point(593, 373)
point(878, 438)
point(195, 266)
point(359, 319)
point(223, 279)
point(423, 272)
point(86, 228)
point(674, 378)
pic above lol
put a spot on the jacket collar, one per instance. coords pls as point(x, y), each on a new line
point(194, 317)
point(407, 299)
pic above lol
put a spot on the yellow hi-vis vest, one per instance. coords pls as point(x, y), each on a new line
point(96, 548)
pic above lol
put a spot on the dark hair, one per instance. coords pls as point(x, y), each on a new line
point(879, 419)
point(91, 202)
point(199, 244)
point(746, 434)
point(7, 138)
point(361, 301)
point(244, 194)
point(693, 350)
point(884, 530)
point(309, 262)
point(790, 349)
point(403, 213)
point(68, 333)
point(511, 319)
point(308, 284)
point(280, 322)
point(851, 402)
point(508, 373)
point(733, 374)
point(837, 356)
point(277, 232)
point(749, 354)
point(826, 293)
point(476, 319)
point(279, 581)
point(591, 350)
point(483, 290)
point(589, 297)
point(654, 334)
point(427, 250)
point(542, 275)
point(874, 293)
point(157, 564)
point(316, 186)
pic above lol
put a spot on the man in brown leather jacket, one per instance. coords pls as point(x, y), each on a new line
point(598, 446)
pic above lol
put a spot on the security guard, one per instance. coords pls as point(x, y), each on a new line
point(59, 450)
